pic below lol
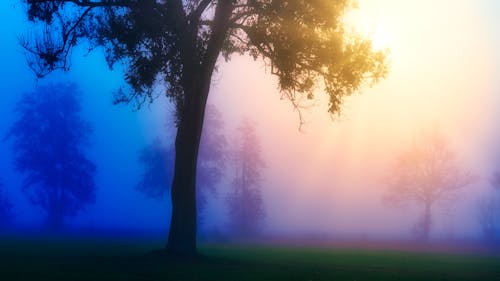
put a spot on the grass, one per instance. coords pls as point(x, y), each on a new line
point(122, 259)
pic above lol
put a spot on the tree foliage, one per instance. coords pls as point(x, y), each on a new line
point(427, 173)
point(245, 206)
point(303, 42)
point(49, 138)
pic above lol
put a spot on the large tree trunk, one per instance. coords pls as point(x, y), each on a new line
point(196, 85)
point(182, 236)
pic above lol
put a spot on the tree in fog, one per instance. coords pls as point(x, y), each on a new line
point(212, 156)
point(158, 161)
point(178, 43)
point(429, 175)
point(488, 214)
point(49, 138)
point(244, 201)
point(489, 211)
point(5, 207)
point(495, 181)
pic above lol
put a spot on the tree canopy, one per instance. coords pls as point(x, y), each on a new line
point(303, 42)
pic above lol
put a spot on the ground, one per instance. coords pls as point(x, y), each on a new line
point(132, 259)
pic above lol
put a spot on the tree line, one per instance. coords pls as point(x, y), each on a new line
point(49, 139)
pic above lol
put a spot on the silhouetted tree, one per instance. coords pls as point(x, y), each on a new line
point(427, 173)
point(158, 159)
point(245, 207)
point(178, 43)
point(49, 140)
point(5, 208)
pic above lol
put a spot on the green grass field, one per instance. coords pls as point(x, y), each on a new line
point(52, 259)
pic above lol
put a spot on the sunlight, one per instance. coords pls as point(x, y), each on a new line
point(381, 38)
point(373, 23)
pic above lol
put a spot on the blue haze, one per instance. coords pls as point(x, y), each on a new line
point(119, 133)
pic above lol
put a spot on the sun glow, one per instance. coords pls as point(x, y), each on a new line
point(441, 74)
point(381, 38)
point(373, 23)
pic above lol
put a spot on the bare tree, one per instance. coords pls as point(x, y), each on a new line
point(428, 174)
point(245, 206)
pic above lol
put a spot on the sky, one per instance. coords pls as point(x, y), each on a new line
point(325, 177)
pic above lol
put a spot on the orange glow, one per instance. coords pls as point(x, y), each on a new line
point(442, 73)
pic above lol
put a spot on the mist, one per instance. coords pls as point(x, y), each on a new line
point(323, 174)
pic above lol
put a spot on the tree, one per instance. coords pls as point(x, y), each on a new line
point(495, 181)
point(177, 43)
point(49, 140)
point(158, 159)
point(489, 211)
point(5, 208)
point(427, 173)
point(212, 156)
point(245, 207)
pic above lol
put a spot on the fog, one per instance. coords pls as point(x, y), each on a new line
point(322, 177)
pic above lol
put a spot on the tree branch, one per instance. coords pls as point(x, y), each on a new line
point(88, 3)
point(195, 15)
point(220, 26)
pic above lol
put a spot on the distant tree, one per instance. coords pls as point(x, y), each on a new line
point(495, 181)
point(212, 156)
point(5, 208)
point(158, 161)
point(489, 211)
point(245, 207)
point(428, 174)
point(49, 138)
point(178, 43)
